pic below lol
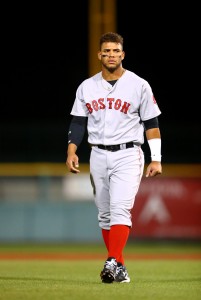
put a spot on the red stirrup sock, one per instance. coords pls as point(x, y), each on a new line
point(106, 236)
point(117, 240)
point(121, 259)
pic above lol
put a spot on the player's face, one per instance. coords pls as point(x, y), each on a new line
point(111, 55)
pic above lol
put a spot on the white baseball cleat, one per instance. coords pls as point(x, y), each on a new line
point(121, 274)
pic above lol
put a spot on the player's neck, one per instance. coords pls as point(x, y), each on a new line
point(109, 76)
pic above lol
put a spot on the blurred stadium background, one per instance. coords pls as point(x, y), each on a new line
point(45, 56)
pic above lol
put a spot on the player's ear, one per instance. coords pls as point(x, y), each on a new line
point(122, 55)
point(99, 55)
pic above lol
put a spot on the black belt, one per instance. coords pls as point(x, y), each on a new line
point(118, 147)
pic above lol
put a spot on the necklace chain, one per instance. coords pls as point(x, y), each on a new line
point(108, 88)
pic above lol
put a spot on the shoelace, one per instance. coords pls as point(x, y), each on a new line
point(110, 264)
point(119, 269)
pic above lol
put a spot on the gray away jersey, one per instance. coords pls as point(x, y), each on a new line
point(115, 114)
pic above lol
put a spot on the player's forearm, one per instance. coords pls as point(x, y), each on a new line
point(153, 133)
point(154, 141)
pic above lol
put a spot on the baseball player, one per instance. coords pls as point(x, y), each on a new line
point(117, 107)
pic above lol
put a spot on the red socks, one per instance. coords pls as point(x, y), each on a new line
point(106, 235)
point(115, 240)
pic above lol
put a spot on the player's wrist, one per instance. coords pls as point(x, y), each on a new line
point(71, 149)
point(155, 149)
point(156, 158)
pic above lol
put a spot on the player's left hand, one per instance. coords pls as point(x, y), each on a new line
point(153, 169)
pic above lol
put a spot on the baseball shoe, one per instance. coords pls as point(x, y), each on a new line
point(121, 274)
point(108, 273)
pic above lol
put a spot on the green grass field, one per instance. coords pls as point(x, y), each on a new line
point(161, 278)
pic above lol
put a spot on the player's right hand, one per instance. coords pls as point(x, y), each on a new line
point(72, 163)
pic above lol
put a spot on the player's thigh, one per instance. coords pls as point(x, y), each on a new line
point(100, 179)
point(125, 179)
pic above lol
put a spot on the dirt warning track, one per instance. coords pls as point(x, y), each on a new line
point(78, 256)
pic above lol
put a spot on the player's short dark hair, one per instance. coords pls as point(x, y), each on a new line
point(112, 37)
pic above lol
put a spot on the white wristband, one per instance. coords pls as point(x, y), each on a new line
point(155, 148)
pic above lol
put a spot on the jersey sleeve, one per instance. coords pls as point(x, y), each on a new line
point(149, 108)
point(79, 107)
